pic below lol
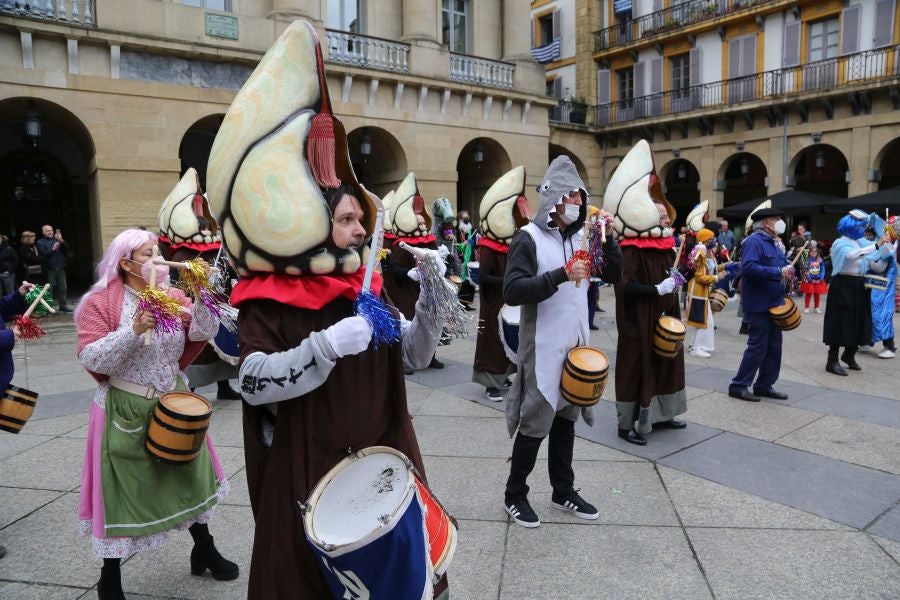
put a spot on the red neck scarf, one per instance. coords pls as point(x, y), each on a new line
point(198, 246)
point(307, 291)
point(493, 245)
point(649, 243)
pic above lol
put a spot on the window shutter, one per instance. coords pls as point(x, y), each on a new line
point(555, 24)
point(603, 86)
point(638, 79)
point(791, 52)
point(695, 66)
point(884, 23)
point(734, 58)
point(532, 33)
point(557, 88)
point(850, 29)
point(656, 76)
point(748, 56)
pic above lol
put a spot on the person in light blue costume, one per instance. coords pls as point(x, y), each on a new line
point(883, 264)
point(848, 311)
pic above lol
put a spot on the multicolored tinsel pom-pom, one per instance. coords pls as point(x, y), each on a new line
point(40, 310)
point(678, 277)
point(166, 310)
point(595, 248)
point(440, 298)
point(697, 254)
point(28, 329)
point(195, 283)
point(384, 323)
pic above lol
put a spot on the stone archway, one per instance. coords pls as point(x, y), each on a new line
point(746, 178)
point(682, 187)
point(48, 177)
point(889, 166)
point(378, 159)
point(196, 144)
point(481, 162)
point(821, 169)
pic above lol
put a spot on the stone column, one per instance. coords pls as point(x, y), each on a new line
point(420, 21)
point(858, 162)
point(529, 77)
point(285, 11)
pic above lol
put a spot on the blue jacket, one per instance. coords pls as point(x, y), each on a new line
point(10, 306)
point(761, 264)
point(51, 259)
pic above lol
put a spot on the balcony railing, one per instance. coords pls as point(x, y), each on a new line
point(669, 19)
point(79, 12)
point(367, 51)
point(568, 112)
point(481, 71)
point(854, 69)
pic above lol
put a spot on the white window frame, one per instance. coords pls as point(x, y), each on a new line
point(203, 4)
point(448, 9)
point(342, 21)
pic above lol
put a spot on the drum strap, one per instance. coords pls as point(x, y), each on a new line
point(134, 388)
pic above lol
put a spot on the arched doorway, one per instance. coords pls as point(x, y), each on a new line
point(579, 166)
point(821, 169)
point(744, 175)
point(47, 177)
point(378, 159)
point(481, 162)
point(682, 188)
point(889, 166)
point(196, 145)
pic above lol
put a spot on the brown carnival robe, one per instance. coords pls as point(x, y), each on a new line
point(490, 358)
point(361, 404)
point(644, 379)
point(402, 290)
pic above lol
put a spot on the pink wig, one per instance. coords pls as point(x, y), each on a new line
point(108, 269)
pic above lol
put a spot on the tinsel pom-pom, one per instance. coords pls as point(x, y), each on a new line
point(382, 254)
point(193, 277)
point(697, 254)
point(579, 256)
point(595, 249)
point(384, 323)
point(166, 310)
point(678, 277)
point(39, 310)
point(440, 298)
point(28, 329)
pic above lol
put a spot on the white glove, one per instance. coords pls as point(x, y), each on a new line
point(414, 274)
point(667, 286)
point(350, 335)
point(443, 251)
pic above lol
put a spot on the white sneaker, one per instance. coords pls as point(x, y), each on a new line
point(805, 311)
point(818, 311)
point(886, 353)
point(700, 353)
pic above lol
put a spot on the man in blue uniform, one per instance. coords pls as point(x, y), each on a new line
point(763, 265)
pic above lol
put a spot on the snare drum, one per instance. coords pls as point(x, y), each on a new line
point(177, 428)
point(509, 330)
point(364, 520)
point(225, 345)
point(16, 406)
point(475, 271)
point(876, 283)
point(717, 299)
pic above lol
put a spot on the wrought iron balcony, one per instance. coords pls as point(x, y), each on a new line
point(367, 51)
point(481, 71)
point(870, 66)
point(669, 19)
point(74, 12)
point(569, 112)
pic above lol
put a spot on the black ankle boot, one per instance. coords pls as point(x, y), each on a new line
point(110, 585)
point(833, 366)
point(850, 359)
point(205, 556)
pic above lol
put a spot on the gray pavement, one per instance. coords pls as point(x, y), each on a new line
point(781, 499)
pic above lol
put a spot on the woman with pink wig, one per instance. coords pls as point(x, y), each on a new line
point(129, 502)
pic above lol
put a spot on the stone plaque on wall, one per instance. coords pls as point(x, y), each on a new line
point(223, 26)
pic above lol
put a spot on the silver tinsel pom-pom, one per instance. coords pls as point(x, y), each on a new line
point(440, 298)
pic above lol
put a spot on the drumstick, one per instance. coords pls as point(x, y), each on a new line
point(678, 254)
point(148, 335)
point(373, 251)
point(799, 253)
point(584, 245)
point(49, 308)
point(37, 300)
point(178, 265)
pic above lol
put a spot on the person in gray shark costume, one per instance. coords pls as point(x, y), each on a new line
point(553, 321)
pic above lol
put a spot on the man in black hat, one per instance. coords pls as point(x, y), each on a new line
point(763, 265)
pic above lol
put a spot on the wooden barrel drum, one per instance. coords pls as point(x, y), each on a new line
point(16, 407)
point(584, 376)
point(177, 429)
point(717, 299)
point(668, 336)
point(786, 316)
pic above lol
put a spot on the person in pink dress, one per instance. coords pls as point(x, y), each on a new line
point(129, 502)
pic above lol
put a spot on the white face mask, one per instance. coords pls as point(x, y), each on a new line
point(570, 213)
point(780, 227)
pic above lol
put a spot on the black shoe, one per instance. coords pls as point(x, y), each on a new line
point(66, 310)
point(600, 309)
point(226, 392)
point(522, 513)
point(670, 424)
point(593, 327)
point(205, 556)
point(771, 394)
point(507, 382)
point(836, 369)
point(745, 329)
point(110, 585)
point(744, 395)
point(407, 371)
point(493, 394)
point(851, 362)
point(467, 307)
point(575, 504)
point(632, 437)
point(435, 363)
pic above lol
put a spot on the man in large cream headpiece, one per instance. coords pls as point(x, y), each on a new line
point(293, 218)
point(649, 390)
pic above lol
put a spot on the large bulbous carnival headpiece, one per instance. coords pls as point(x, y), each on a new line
point(697, 217)
point(631, 194)
point(177, 219)
point(278, 147)
point(387, 203)
point(504, 208)
point(764, 204)
point(405, 205)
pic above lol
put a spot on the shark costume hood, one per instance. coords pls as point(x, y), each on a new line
point(504, 208)
point(405, 205)
point(696, 218)
point(279, 142)
point(630, 196)
point(177, 219)
point(561, 178)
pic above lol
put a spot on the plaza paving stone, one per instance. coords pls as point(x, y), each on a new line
point(17, 503)
point(858, 407)
point(888, 524)
point(763, 420)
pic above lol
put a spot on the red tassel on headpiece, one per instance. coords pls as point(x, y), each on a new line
point(320, 152)
point(197, 204)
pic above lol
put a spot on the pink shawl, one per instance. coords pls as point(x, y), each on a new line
point(100, 316)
